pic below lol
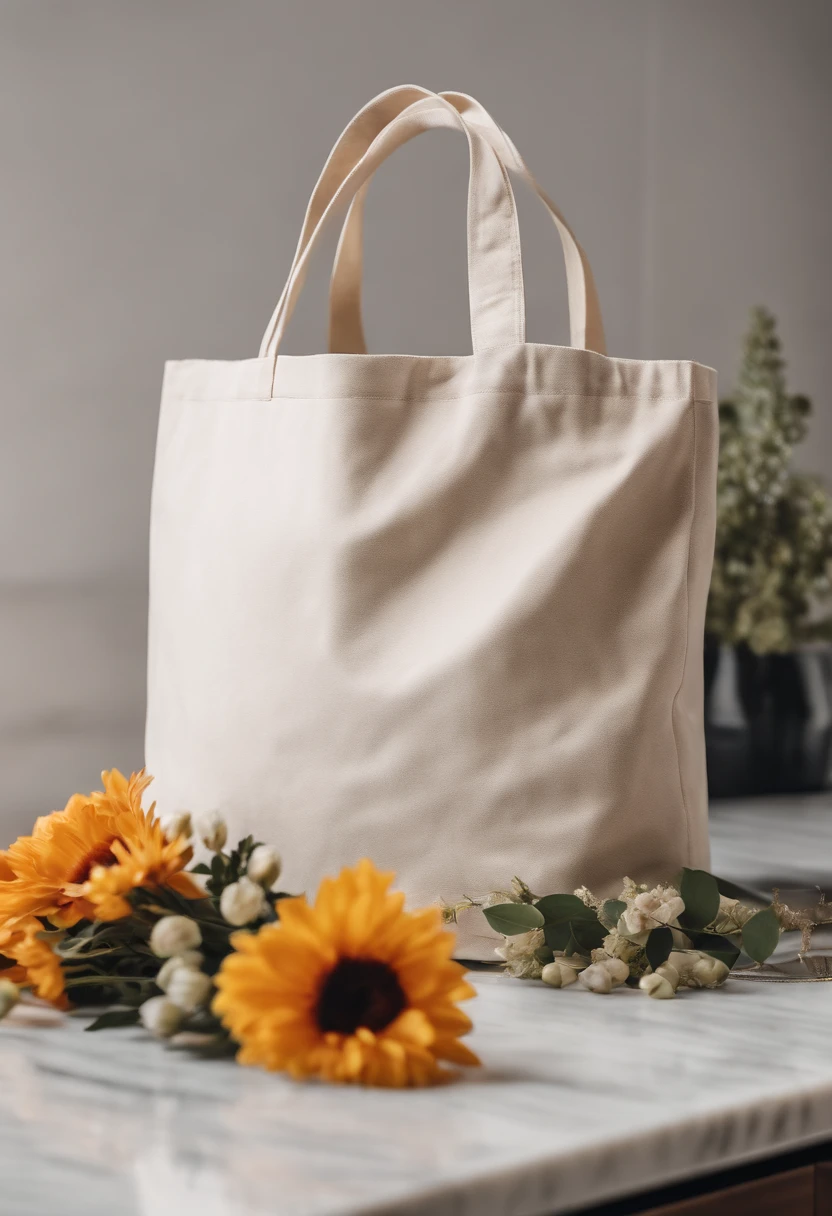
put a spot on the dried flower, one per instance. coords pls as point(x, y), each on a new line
point(709, 972)
point(161, 1017)
point(616, 945)
point(213, 831)
point(264, 865)
point(174, 935)
point(618, 970)
point(189, 989)
point(586, 897)
point(242, 902)
point(661, 906)
point(557, 975)
point(563, 970)
point(670, 973)
point(657, 986)
point(596, 978)
point(732, 915)
point(519, 954)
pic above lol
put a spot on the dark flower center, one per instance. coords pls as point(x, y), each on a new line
point(359, 992)
point(101, 855)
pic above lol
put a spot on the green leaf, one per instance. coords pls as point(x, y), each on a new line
point(612, 911)
point(200, 868)
point(659, 945)
point(544, 955)
point(510, 919)
point(588, 934)
point(558, 937)
point(700, 892)
point(733, 890)
point(715, 945)
point(117, 1017)
point(556, 908)
point(761, 934)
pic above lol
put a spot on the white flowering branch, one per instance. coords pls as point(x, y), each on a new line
point(659, 939)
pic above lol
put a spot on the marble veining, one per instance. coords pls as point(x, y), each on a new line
point(582, 1098)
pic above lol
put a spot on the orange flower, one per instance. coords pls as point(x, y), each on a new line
point(352, 989)
point(36, 965)
point(52, 870)
point(151, 860)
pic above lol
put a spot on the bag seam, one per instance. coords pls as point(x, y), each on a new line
point(673, 708)
point(489, 392)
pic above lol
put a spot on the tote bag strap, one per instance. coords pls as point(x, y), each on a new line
point(346, 332)
point(495, 270)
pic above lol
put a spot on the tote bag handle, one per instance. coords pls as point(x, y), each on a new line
point(495, 271)
point(346, 331)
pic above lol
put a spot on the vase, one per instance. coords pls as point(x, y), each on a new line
point(768, 720)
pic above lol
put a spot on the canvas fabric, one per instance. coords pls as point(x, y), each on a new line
point(443, 612)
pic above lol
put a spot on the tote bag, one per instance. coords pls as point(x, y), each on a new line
point(443, 612)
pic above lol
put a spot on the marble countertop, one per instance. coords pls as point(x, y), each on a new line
point(582, 1098)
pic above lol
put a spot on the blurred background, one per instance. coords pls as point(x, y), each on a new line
point(157, 159)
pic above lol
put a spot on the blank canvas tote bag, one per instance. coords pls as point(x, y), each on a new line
point(443, 612)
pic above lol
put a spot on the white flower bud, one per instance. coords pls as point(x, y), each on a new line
point(264, 865)
point(212, 830)
point(596, 978)
point(710, 972)
point(657, 987)
point(618, 970)
point(189, 989)
point(191, 958)
point(9, 996)
point(242, 902)
point(558, 975)
point(174, 935)
point(161, 1017)
point(683, 961)
point(178, 824)
point(670, 973)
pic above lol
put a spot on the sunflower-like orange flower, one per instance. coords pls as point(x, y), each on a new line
point(150, 860)
point(35, 964)
point(52, 870)
point(352, 989)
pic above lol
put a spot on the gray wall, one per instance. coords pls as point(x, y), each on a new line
point(157, 158)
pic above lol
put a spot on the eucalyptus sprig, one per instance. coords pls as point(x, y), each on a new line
point(689, 934)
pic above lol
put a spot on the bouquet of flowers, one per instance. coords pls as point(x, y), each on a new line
point(101, 905)
point(657, 939)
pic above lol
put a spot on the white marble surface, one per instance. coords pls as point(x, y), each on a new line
point(779, 841)
point(582, 1098)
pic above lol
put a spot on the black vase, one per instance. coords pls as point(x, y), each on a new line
point(768, 720)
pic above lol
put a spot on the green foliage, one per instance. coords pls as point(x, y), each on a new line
point(700, 892)
point(570, 925)
point(511, 919)
point(225, 869)
point(724, 948)
point(611, 912)
point(659, 945)
point(761, 934)
point(116, 1017)
point(773, 561)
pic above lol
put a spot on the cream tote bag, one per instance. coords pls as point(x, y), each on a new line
point(443, 612)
